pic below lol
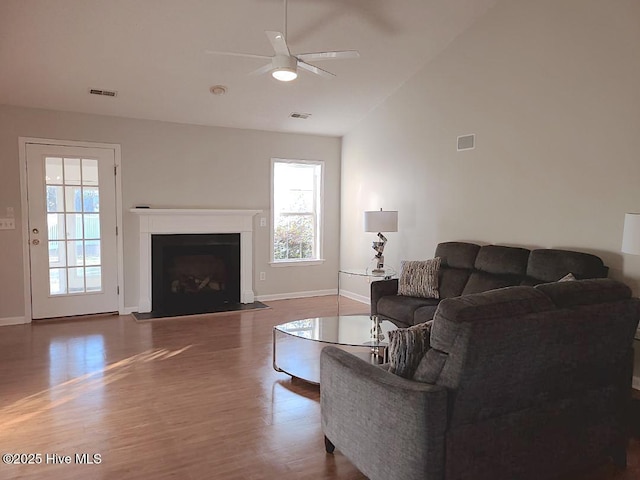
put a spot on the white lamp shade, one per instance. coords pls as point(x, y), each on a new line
point(631, 234)
point(381, 221)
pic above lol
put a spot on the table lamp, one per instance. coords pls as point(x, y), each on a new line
point(380, 221)
point(631, 234)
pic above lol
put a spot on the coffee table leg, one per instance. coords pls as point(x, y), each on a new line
point(275, 367)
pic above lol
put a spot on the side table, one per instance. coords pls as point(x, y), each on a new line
point(365, 273)
point(388, 274)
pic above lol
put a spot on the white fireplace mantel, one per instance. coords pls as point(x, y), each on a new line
point(167, 221)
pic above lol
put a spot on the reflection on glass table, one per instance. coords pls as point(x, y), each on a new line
point(297, 344)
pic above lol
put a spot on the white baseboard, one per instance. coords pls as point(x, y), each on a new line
point(355, 296)
point(13, 321)
point(287, 296)
point(636, 383)
point(128, 310)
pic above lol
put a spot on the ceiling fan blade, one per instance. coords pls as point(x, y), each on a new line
point(234, 54)
point(328, 55)
point(264, 69)
point(314, 69)
point(278, 43)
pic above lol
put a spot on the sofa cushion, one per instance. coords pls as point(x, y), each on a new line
point(457, 254)
point(452, 281)
point(407, 346)
point(497, 266)
point(585, 292)
point(550, 265)
point(419, 278)
point(424, 314)
point(501, 260)
point(401, 308)
point(480, 307)
point(429, 368)
point(481, 282)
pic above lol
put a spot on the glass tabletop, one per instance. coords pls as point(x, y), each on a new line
point(353, 330)
point(387, 273)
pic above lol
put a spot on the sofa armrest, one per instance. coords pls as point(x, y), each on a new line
point(388, 426)
point(381, 288)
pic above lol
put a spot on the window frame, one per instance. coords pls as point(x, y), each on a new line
point(319, 212)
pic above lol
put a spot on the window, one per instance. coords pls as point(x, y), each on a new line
point(297, 205)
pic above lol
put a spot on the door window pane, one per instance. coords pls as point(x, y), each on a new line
point(74, 226)
point(73, 199)
point(91, 226)
point(75, 253)
point(92, 252)
point(89, 172)
point(55, 198)
point(57, 281)
point(76, 280)
point(72, 175)
point(91, 199)
point(94, 279)
point(55, 226)
point(57, 254)
point(53, 171)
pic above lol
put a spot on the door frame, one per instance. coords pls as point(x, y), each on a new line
point(22, 155)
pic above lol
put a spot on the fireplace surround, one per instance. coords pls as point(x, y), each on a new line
point(169, 221)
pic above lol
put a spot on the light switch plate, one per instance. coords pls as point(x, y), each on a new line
point(7, 224)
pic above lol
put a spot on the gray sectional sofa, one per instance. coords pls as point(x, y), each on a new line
point(469, 268)
point(522, 382)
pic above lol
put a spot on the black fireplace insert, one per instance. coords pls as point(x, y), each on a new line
point(194, 273)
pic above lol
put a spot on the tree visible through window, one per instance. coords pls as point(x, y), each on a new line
point(296, 210)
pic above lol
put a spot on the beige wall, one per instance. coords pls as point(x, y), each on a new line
point(551, 89)
point(173, 165)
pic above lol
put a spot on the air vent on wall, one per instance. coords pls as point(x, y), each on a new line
point(302, 116)
point(467, 142)
point(106, 93)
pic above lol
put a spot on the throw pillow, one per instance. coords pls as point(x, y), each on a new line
point(407, 346)
point(569, 277)
point(419, 278)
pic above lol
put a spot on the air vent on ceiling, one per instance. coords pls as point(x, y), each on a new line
point(302, 116)
point(106, 93)
point(467, 142)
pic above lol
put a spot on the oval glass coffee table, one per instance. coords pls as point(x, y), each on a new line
point(297, 344)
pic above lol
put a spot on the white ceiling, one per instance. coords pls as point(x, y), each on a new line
point(152, 52)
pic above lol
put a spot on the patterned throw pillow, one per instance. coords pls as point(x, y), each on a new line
point(569, 277)
point(407, 346)
point(419, 278)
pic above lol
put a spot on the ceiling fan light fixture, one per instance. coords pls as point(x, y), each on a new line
point(284, 74)
point(284, 68)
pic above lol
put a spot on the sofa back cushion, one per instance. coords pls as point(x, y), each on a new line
point(550, 265)
point(457, 261)
point(497, 266)
point(509, 349)
point(585, 292)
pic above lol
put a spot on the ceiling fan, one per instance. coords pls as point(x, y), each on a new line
point(283, 65)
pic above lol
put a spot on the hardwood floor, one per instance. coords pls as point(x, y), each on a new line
point(189, 398)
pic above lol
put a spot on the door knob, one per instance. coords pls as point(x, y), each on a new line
point(35, 231)
point(36, 242)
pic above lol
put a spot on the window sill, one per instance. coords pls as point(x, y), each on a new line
point(297, 263)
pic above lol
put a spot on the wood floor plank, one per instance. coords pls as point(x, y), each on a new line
point(189, 398)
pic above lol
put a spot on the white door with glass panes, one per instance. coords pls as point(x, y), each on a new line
point(72, 230)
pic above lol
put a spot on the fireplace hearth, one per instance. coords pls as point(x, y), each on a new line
point(194, 273)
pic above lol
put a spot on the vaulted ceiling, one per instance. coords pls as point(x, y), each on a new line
point(153, 53)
